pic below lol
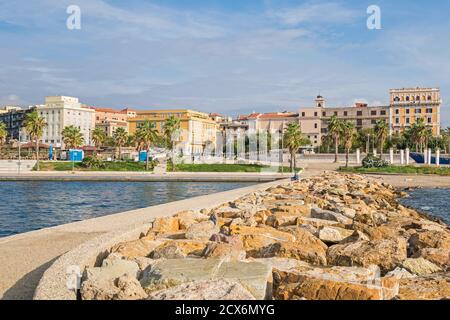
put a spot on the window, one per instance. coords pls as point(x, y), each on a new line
point(407, 98)
point(373, 121)
point(396, 99)
point(315, 125)
point(429, 98)
point(383, 112)
point(429, 120)
point(418, 98)
point(303, 114)
point(336, 113)
point(418, 110)
point(397, 120)
point(430, 110)
point(315, 114)
point(373, 113)
point(359, 113)
point(345, 113)
point(324, 114)
point(359, 122)
point(397, 111)
point(407, 120)
point(407, 111)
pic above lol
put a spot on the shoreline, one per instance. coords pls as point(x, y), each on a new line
point(373, 234)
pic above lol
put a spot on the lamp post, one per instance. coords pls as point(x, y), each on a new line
point(20, 159)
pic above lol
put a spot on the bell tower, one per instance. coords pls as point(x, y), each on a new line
point(320, 101)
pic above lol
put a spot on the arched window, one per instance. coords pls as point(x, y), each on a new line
point(396, 99)
point(407, 98)
point(429, 98)
point(418, 98)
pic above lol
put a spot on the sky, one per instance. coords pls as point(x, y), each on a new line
point(227, 56)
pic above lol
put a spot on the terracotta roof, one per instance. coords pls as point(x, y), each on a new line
point(278, 115)
point(31, 144)
point(215, 115)
point(109, 110)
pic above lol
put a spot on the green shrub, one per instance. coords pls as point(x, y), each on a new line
point(92, 163)
point(374, 162)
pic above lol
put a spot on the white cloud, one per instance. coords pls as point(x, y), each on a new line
point(317, 13)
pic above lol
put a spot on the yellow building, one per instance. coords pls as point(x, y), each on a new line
point(410, 104)
point(198, 130)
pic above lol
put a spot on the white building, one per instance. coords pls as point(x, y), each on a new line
point(60, 112)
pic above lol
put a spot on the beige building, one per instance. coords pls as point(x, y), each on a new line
point(410, 104)
point(109, 120)
point(274, 122)
point(60, 112)
point(198, 130)
point(314, 120)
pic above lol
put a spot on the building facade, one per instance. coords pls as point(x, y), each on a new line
point(410, 104)
point(198, 130)
point(274, 122)
point(60, 112)
point(109, 120)
point(314, 121)
point(14, 118)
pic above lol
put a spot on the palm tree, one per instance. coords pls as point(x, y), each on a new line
point(419, 134)
point(348, 134)
point(446, 137)
point(34, 126)
point(72, 137)
point(98, 136)
point(3, 133)
point(381, 132)
point(293, 140)
point(335, 130)
point(147, 135)
point(120, 138)
point(170, 128)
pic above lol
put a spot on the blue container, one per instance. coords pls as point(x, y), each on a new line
point(76, 155)
point(143, 156)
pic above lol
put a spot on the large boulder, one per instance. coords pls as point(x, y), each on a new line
point(112, 281)
point(137, 248)
point(176, 249)
point(231, 250)
point(429, 239)
point(333, 234)
point(306, 247)
point(440, 257)
point(165, 225)
point(420, 266)
point(318, 213)
point(386, 254)
point(201, 231)
point(434, 287)
point(255, 277)
point(221, 289)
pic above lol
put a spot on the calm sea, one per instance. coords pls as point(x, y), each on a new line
point(432, 201)
point(27, 206)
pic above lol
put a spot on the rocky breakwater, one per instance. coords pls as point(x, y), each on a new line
point(333, 237)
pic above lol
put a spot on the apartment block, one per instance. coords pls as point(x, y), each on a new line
point(13, 117)
point(410, 104)
point(198, 130)
point(109, 119)
point(60, 112)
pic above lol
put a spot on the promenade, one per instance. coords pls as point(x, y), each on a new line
point(25, 257)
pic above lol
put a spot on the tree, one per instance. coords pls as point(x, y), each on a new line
point(34, 125)
point(72, 137)
point(381, 132)
point(120, 138)
point(3, 133)
point(147, 135)
point(293, 140)
point(348, 134)
point(419, 134)
point(98, 136)
point(171, 127)
point(335, 130)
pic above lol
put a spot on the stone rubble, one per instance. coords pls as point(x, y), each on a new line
point(331, 237)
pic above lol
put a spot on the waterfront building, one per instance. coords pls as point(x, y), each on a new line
point(405, 107)
point(198, 130)
point(273, 122)
point(109, 120)
point(14, 118)
point(60, 112)
point(314, 120)
point(410, 104)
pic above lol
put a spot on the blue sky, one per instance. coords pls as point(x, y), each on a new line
point(228, 56)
